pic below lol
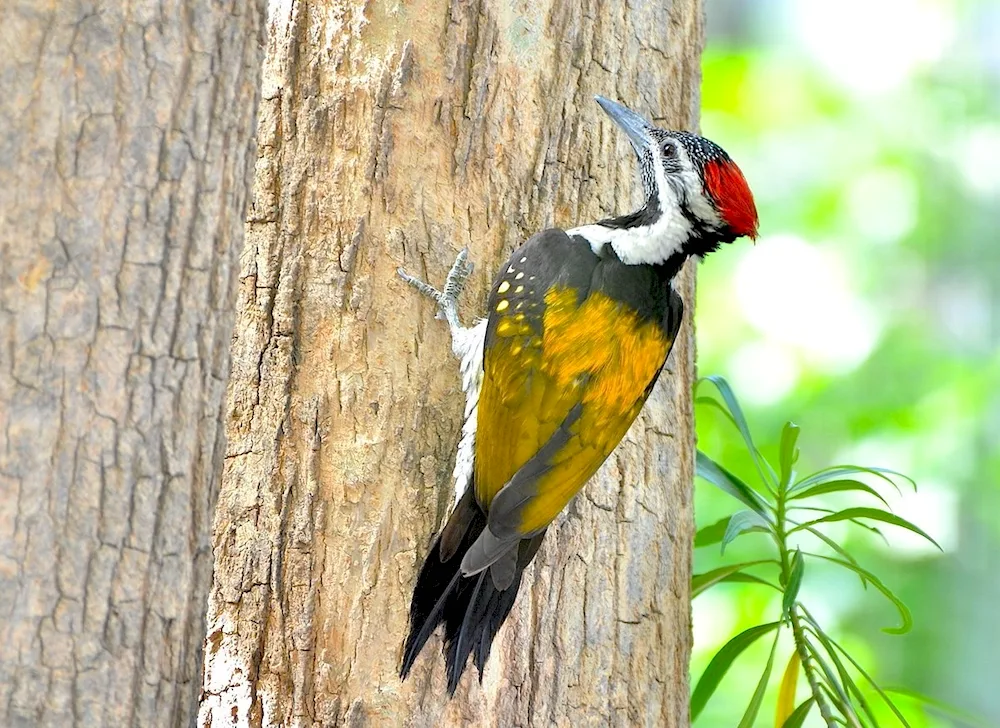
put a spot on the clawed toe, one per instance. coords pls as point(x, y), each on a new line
point(454, 284)
point(424, 288)
point(458, 275)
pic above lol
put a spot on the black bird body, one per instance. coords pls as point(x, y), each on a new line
point(472, 609)
point(580, 325)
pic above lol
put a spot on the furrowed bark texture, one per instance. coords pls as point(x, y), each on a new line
point(126, 148)
point(394, 134)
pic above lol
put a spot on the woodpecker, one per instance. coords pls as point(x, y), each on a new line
point(580, 323)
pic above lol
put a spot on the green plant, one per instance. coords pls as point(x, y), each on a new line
point(785, 507)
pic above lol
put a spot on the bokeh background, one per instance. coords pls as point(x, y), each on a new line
point(868, 312)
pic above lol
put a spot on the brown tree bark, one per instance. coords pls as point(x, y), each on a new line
point(126, 148)
point(392, 134)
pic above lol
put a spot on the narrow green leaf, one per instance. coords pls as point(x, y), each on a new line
point(904, 613)
point(741, 424)
point(869, 527)
point(832, 699)
point(882, 694)
point(814, 509)
point(840, 550)
point(875, 514)
point(789, 453)
point(741, 522)
point(838, 472)
point(875, 686)
point(845, 675)
point(794, 582)
point(837, 486)
point(748, 579)
point(701, 582)
point(733, 405)
point(855, 521)
point(952, 711)
point(758, 695)
point(770, 471)
point(721, 478)
point(711, 534)
point(838, 694)
point(712, 402)
point(798, 717)
point(721, 663)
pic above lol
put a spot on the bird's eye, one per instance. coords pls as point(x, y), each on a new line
point(669, 150)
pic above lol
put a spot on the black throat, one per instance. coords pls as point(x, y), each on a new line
point(645, 215)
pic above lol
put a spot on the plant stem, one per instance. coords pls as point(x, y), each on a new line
point(809, 669)
point(781, 538)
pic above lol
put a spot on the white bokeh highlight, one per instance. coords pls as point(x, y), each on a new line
point(800, 295)
point(873, 47)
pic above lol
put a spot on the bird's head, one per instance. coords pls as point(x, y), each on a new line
point(696, 196)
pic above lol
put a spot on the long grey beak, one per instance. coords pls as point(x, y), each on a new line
point(631, 123)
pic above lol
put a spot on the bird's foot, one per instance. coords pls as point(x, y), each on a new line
point(454, 284)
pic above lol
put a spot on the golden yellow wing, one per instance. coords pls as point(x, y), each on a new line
point(571, 355)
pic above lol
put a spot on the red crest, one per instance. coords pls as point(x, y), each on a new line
point(729, 190)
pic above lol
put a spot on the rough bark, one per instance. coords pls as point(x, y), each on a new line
point(126, 148)
point(394, 134)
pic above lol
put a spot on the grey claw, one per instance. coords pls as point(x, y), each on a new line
point(425, 288)
point(406, 277)
point(447, 298)
point(457, 276)
point(463, 257)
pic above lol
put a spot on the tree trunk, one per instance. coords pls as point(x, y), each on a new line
point(126, 142)
point(394, 134)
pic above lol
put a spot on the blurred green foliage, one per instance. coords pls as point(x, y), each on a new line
point(868, 312)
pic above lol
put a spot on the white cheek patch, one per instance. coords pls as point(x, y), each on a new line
point(696, 199)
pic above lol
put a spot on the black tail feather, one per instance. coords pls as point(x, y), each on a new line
point(416, 640)
point(502, 602)
point(440, 580)
point(459, 625)
point(472, 608)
